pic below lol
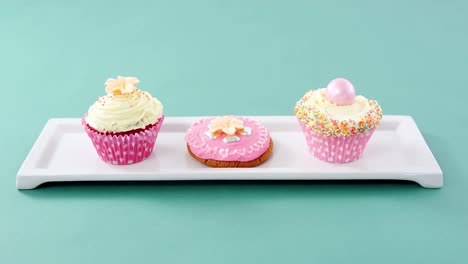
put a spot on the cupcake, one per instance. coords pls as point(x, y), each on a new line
point(336, 123)
point(124, 124)
point(229, 141)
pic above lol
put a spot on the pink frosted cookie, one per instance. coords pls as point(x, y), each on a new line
point(229, 141)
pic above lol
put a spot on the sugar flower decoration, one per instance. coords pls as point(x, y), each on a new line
point(226, 124)
point(121, 85)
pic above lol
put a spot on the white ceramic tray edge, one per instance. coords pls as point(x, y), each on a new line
point(27, 176)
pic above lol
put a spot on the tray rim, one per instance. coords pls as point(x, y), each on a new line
point(29, 177)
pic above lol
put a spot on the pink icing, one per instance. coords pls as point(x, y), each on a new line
point(246, 149)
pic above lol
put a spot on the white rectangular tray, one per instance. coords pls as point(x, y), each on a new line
point(396, 151)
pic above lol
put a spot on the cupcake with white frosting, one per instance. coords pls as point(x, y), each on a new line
point(124, 124)
point(336, 123)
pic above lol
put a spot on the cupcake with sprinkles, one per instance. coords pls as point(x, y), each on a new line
point(336, 123)
point(124, 124)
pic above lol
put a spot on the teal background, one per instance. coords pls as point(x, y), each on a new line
point(250, 58)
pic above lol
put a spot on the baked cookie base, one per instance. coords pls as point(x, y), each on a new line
point(235, 164)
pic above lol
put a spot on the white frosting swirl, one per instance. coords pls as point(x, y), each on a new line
point(124, 112)
point(354, 111)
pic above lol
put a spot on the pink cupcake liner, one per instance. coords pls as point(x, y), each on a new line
point(336, 149)
point(124, 149)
